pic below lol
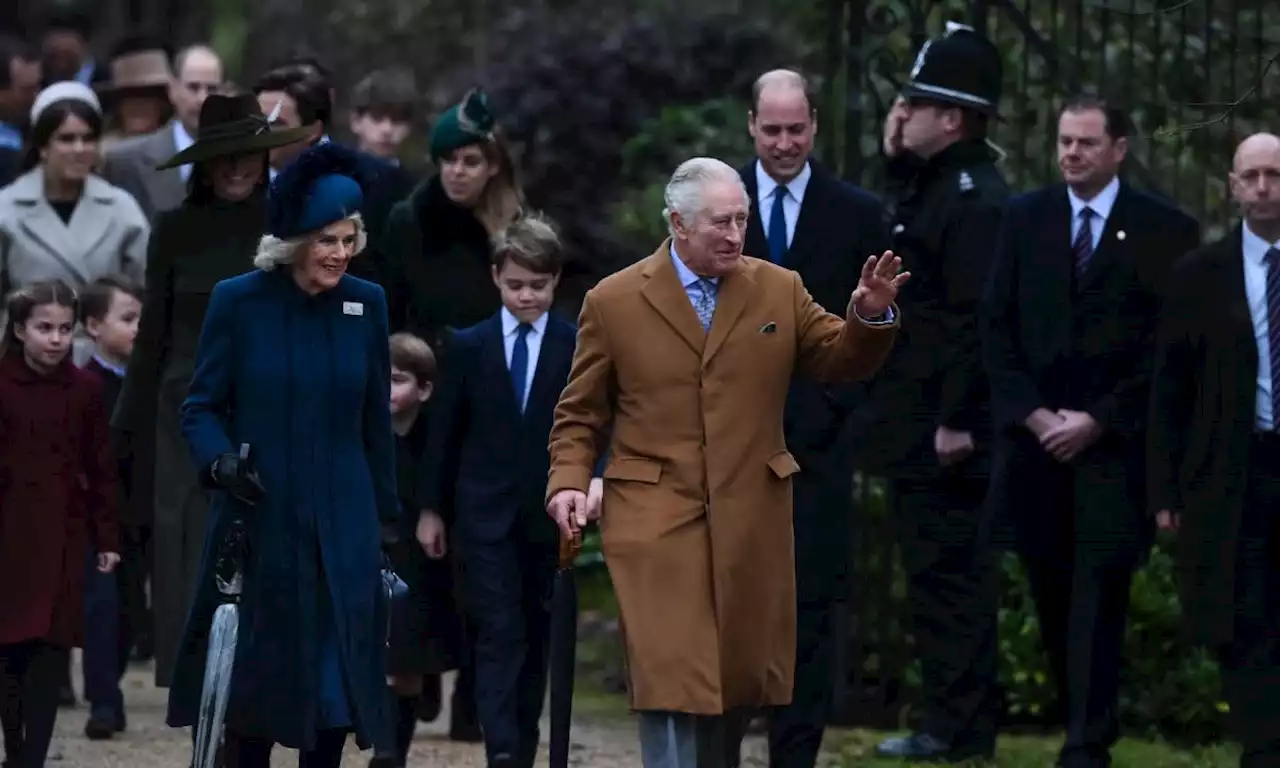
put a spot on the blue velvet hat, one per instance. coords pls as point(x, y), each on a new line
point(327, 183)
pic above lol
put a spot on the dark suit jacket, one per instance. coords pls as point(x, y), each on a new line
point(500, 454)
point(394, 184)
point(1203, 406)
point(839, 226)
point(1053, 340)
point(111, 385)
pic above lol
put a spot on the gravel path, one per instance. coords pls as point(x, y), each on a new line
point(600, 739)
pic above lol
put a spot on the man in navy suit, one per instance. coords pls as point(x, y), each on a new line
point(1069, 332)
point(806, 219)
point(489, 454)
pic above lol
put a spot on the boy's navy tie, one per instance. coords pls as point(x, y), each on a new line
point(778, 227)
point(520, 363)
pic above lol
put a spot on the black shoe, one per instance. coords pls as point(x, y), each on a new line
point(502, 760)
point(427, 706)
point(99, 728)
point(66, 697)
point(923, 748)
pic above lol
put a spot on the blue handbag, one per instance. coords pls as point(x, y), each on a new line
point(395, 604)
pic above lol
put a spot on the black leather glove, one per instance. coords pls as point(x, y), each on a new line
point(235, 474)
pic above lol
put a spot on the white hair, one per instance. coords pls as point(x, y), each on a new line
point(685, 190)
point(273, 252)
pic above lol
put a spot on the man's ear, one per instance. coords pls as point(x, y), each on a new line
point(425, 391)
point(93, 327)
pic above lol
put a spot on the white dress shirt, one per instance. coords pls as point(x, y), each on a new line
point(1255, 288)
point(766, 187)
point(182, 140)
point(532, 343)
point(1101, 204)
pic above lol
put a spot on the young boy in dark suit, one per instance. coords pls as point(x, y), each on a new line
point(109, 310)
point(497, 402)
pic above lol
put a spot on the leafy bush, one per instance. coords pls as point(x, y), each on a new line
point(716, 128)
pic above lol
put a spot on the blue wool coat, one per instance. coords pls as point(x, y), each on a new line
point(305, 381)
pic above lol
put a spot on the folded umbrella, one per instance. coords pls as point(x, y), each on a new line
point(228, 575)
point(562, 653)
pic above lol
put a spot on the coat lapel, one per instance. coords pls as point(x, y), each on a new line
point(495, 362)
point(736, 290)
point(164, 187)
point(556, 350)
point(805, 242)
point(756, 244)
point(664, 293)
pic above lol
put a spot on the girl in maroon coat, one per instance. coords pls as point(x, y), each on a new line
point(57, 496)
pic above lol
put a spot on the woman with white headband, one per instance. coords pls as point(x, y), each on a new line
point(60, 221)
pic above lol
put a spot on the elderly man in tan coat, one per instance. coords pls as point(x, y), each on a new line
point(682, 368)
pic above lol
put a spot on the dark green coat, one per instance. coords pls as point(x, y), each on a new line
point(191, 249)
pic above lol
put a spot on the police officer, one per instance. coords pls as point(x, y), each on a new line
point(925, 425)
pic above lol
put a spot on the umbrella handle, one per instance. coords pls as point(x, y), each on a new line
point(569, 549)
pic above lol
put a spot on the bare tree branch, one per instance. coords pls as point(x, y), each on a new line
point(1227, 107)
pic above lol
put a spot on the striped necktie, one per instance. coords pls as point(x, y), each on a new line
point(1272, 259)
point(1083, 244)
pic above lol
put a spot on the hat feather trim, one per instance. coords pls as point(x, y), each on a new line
point(474, 115)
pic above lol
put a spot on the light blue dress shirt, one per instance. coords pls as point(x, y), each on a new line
point(1255, 288)
point(532, 343)
point(766, 188)
point(1101, 205)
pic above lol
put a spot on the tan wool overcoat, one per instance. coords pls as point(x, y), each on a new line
point(696, 523)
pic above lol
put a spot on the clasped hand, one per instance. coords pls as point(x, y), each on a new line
point(1064, 434)
point(572, 509)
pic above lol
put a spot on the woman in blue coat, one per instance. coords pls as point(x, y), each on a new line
point(293, 360)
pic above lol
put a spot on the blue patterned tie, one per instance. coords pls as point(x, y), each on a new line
point(778, 227)
point(520, 363)
point(705, 306)
point(1083, 245)
point(1272, 260)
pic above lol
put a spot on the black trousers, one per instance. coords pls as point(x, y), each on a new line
point(795, 731)
point(1250, 664)
point(953, 604)
point(507, 590)
point(242, 752)
point(30, 675)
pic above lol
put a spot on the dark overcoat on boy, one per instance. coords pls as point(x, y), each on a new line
point(490, 456)
point(838, 227)
point(1059, 335)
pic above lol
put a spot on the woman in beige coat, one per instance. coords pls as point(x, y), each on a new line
point(60, 221)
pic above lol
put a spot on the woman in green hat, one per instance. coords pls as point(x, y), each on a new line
point(213, 235)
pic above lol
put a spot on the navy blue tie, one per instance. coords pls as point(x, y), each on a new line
point(520, 363)
point(778, 227)
point(1272, 260)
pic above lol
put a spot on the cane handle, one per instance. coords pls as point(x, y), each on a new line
point(569, 549)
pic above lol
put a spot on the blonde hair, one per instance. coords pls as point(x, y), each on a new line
point(503, 197)
point(274, 252)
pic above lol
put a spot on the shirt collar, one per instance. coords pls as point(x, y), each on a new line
point(765, 184)
point(687, 276)
point(116, 369)
point(1101, 203)
point(87, 70)
point(510, 324)
point(1255, 248)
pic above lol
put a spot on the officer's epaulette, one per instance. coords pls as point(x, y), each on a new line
point(966, 182)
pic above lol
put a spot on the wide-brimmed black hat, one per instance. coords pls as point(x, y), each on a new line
point(963, 68)
point(232, 125)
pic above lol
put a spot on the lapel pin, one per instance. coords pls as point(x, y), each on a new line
point(769, 328)
point(352, 308)
point(1120, 235)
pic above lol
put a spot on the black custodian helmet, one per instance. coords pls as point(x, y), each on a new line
point(962, 68)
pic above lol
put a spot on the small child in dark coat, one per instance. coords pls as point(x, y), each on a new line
point(431, 642)
point(110, 309)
